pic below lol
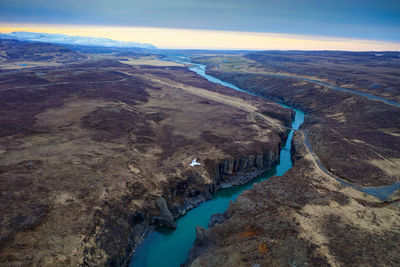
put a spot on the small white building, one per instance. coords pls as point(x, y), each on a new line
point(194, 163)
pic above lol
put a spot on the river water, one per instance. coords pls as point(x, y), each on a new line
point(170, 248)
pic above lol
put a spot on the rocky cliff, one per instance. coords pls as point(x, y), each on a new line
point(229, 172)
point(176, 199)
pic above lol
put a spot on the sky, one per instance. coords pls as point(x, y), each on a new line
point(345, 23)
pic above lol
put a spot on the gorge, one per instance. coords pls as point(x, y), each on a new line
point(171, 246)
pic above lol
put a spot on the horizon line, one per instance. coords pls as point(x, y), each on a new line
point(197, 39)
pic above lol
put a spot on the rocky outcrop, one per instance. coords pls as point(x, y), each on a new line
point(165, 218)
point(241, 170)
point(201, 236)
point(217, 219)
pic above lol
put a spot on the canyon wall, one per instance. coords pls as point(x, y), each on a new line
point(179, 197)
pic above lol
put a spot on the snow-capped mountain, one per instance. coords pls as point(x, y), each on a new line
point(72, 40)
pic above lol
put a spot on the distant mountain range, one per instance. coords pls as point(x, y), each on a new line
point(72, 40)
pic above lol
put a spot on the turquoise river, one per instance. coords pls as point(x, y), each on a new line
point(170, 248)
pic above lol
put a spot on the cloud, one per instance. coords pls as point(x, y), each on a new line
point(370, 19)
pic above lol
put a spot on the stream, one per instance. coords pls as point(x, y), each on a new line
point(170, 248)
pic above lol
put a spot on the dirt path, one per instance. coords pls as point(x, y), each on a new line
point(382, 192)
point(217, 97)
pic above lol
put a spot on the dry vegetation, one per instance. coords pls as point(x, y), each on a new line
point(86, 148)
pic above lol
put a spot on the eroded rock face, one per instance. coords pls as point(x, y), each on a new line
point(165, 218)
point(201, 236)
point(217, 219)
point(192, 191)
point(233, 166)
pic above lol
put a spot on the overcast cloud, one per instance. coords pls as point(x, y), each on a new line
point(369, 19)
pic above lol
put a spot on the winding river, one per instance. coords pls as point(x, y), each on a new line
point(170, 248)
